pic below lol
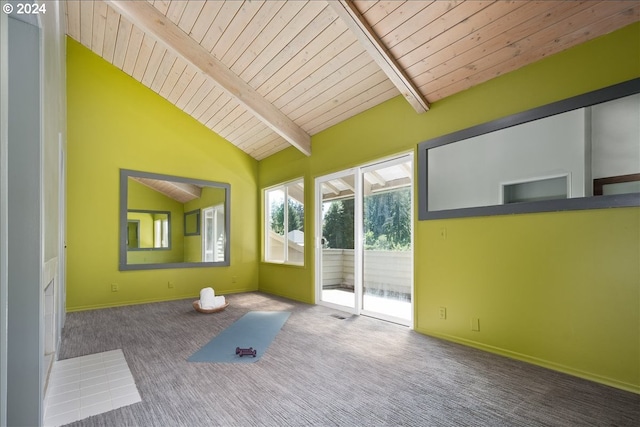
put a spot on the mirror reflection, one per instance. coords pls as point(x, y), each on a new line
point(557, 157)
point(192, 223)
point(578, 153)
point(148, 230)
point(150, 235)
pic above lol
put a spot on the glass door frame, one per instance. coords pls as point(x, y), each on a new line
point(358, 174)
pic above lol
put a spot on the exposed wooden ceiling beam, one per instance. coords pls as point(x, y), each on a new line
point(331, 188)
point(148, 18)
point(179, 191)
point(296, 192)
point(374, 178)
point(183, 187)
point(347, 11)
point(348, 181)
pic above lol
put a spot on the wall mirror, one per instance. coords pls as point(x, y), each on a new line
point(579, 153)
point(172, 222)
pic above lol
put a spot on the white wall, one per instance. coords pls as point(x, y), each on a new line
point(470, 172)
point(384, 271)
point(616, 137)
point(337, 268)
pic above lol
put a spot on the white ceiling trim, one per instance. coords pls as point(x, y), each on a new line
point(167, 33)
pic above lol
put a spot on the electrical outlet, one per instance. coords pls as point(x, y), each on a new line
point(114, 287)
point(475, 324)
point(443, 313)
point(170, 285)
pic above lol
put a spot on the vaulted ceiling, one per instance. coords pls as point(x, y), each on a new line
point(179, 191)
point(266, 75)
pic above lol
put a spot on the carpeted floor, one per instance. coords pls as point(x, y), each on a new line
point(321, 370)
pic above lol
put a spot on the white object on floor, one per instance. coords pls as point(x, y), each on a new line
point(219, 301)
point(88, 385)
point(207, 298)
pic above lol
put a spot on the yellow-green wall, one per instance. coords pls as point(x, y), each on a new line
point(558, 289)
point(115, 122)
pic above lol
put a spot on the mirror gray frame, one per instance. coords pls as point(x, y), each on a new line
point(125, 174)
point(610, 93)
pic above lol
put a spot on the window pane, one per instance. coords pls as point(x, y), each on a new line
point(284, 223)
point(295, 216)
point(274, 245)
point(165, 233)
point(157, 233)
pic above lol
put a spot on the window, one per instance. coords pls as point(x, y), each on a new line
point(284, 223)
point(161, 231)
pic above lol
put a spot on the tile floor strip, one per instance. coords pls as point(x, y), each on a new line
point(88, 385)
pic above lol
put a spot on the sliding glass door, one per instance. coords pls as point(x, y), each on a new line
point(336, 240)
point(387, 261)
point(364, 251)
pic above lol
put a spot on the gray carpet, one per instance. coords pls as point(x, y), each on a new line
point(324, 371)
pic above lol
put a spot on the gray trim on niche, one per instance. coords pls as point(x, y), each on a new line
point(610, 93)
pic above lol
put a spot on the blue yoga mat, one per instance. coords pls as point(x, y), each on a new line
point(255, 329)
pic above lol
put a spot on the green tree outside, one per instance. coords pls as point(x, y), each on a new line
point(338, 224)
point(295, 215)
point(387, 224)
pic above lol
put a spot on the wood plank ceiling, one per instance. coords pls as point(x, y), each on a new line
point(299, 67)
